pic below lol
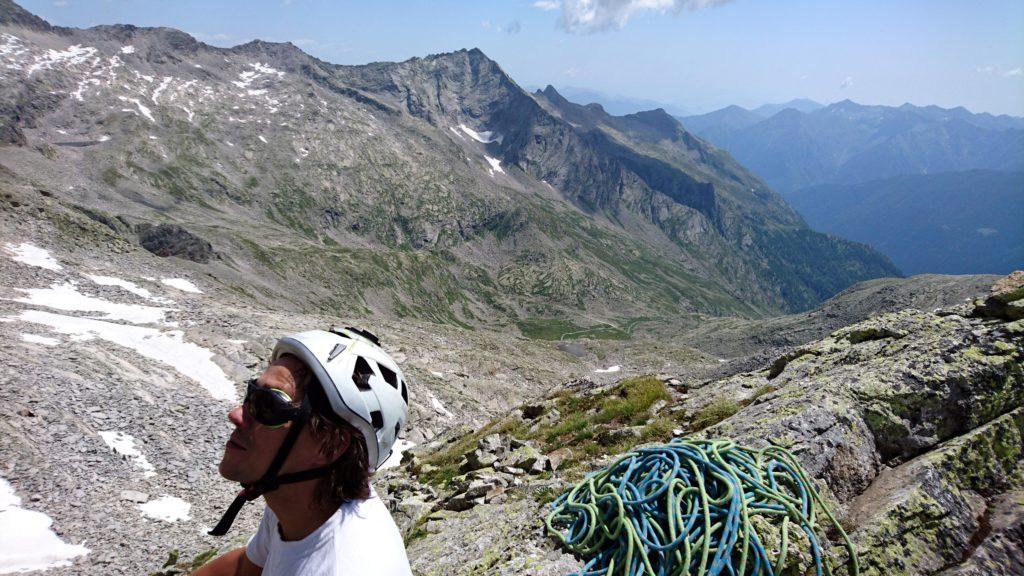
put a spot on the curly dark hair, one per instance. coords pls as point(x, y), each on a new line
point(349, 478)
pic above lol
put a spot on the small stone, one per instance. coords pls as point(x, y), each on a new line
point(134, 496)
point(556, 457)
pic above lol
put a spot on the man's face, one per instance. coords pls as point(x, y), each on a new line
point(252, 446)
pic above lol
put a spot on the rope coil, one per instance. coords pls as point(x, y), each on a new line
point(675, 509)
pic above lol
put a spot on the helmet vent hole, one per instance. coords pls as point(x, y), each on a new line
point(389, 375)
point(405, 393)
point(377, 419)
point(398, 426)
point(361, 374)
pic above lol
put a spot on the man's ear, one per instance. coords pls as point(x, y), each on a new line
point(331, 453)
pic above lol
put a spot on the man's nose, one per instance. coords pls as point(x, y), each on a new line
point(236, 417)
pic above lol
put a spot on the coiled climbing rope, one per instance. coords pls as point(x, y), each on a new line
point(699, 508)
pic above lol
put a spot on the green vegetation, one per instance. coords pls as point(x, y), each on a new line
point(714, 413)
point(609, 422)
point(175, 567)
point(560, 329)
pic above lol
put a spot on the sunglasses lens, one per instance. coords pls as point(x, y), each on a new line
point(269, 406)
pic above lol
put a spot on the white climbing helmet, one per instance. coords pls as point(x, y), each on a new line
point(363, 384)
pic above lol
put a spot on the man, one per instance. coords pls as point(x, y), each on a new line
point(312, 429)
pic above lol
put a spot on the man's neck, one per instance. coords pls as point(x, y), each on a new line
point(298, 511)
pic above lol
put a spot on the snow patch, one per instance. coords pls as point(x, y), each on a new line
point(437, 374)
point(128, 286)
point(258, 69)
point(181, 284)
point(37, 339)
point(396, 454)
point(79, 93)
point(163, 86)
point(127, 49)
point(484, 137)
point(67, 297)
point(124, 445)
point(167, 347)
point(33, 256)
point(26, 540)
point(11, 46)
point(103, 138)
point(142, 107)
point(262, 139)
point(438, 406)
point(166, 508)
point(609, 369)
point(495, 165)
point(76, 54)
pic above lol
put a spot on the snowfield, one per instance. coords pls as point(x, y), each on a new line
point(26, 540)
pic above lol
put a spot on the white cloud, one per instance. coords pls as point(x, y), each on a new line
point(586, 16)
point(1000, 71)
point(547, 5)
point(513, 27)
point(61, 3)
point(846, 83)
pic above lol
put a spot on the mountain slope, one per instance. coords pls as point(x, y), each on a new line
point(949, 223)
point(433, 188)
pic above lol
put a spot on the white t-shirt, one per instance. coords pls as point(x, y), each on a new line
point(360, 539)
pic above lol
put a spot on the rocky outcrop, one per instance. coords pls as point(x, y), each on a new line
point(1006, 299)
point(173, 240)
point(911, 422)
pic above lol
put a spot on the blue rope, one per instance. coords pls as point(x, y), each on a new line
point(688, 508)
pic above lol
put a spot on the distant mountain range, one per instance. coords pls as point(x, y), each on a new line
point(803, 145)
point(937, 190)
point(618, 105)
point(948, 223)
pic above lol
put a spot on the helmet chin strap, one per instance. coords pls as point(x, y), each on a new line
point(271, 480)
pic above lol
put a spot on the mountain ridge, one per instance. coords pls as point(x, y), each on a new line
point(441, 162)
point(847, 142)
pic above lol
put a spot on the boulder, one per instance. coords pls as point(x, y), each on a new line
point(492, 444)
point(934, 507)
point(1005, 299)
point(478, 459)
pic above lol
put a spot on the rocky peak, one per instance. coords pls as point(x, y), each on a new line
point(551, 94)
point(166, 42)
point(13, 15)
point(658, 120)
point(284, 55)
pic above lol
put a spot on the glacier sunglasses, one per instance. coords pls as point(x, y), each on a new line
point(271, 407)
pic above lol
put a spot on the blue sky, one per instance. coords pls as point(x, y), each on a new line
point(695, 55)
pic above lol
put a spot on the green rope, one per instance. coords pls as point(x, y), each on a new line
point(698, 508)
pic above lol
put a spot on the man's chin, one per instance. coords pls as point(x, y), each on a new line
point(231, 471)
